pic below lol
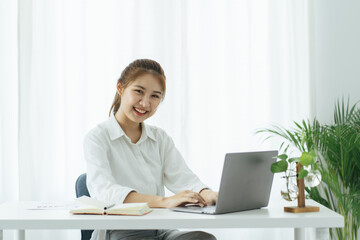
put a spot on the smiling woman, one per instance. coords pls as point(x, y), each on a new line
point(128, 161)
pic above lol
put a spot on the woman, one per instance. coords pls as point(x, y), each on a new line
point(129, 161)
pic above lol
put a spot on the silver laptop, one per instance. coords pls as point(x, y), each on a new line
point(245, 184)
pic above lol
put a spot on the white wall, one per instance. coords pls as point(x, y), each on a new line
point(335, 54)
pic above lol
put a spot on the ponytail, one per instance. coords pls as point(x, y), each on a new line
point(116, 104)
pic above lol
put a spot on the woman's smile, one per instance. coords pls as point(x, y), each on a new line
point(139, 111)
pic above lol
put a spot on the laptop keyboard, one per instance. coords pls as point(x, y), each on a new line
point(207, 209)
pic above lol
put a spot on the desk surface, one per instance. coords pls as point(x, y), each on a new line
point(14, 215)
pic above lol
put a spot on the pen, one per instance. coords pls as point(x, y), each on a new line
point(110, 206)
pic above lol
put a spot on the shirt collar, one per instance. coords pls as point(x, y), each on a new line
point(147, 131)
point(115, 131)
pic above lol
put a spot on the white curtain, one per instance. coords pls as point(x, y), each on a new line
point(9, 177)
point(232, 67)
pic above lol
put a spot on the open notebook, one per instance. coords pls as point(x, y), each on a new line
point(87, 205)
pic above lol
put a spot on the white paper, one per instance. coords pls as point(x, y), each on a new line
point(49, 206)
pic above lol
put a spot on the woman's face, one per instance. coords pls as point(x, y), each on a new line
point(140, 99)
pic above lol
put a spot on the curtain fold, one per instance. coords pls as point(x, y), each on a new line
point(232, 67)
point(8, 101)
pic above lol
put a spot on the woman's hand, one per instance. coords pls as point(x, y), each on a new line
point(209, 196)
point(183, 197)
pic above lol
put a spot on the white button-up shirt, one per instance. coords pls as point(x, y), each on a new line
point(116, 166)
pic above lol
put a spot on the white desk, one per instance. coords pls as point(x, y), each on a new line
point(13, 215)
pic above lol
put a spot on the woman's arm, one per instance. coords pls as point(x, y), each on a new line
point(100, 181)
point(166, 202)
point(177, 175)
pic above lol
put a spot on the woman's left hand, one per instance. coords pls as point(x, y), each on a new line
point(209, 196)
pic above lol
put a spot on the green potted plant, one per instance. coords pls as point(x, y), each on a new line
point(298, 171)
point(337, 149)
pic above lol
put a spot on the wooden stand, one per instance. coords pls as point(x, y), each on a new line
point(300, 208)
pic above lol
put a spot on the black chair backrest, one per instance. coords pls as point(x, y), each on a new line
point(81, 190)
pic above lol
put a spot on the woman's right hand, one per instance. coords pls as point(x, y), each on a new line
point(183, 197)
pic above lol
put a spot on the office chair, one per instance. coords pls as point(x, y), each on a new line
point(81, 190)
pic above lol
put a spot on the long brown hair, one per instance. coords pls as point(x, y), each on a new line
point(134, 70)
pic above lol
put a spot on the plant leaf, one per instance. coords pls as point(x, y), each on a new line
point(303, 173)
point(312, 153)
point(306, 159)
point(282, 156)
point(314, 167)
point(280, 166)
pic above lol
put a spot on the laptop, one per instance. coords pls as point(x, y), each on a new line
point(245, 184)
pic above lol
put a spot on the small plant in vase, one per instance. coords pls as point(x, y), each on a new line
point(298, 172)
